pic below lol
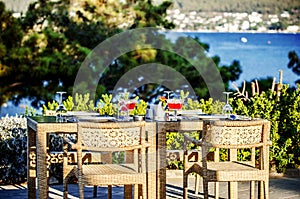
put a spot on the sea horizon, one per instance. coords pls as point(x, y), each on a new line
point(261, 56)
point(240, 31)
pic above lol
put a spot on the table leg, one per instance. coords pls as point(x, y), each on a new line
point(233, 186)
point(41, 150)
point(152, 180)
point(233, 190)
point(31, 172)
point(161, 162)
point(128, 191)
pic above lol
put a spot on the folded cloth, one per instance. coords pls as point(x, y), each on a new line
point(239, 117)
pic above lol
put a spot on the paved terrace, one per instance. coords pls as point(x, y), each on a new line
point(280, 187)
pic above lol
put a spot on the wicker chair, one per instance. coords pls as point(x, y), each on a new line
point(231, 136)
point(129, 137)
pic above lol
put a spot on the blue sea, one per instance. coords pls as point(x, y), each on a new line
point(261, 55)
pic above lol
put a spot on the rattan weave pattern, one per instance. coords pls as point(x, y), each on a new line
point(111, 137)
point(233, 135)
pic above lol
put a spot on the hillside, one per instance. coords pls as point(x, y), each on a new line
point(260, 6)
point(222, 15)
point(235, 15)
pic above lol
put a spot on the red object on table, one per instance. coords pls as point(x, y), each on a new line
point(130, 105)
point(175, 106)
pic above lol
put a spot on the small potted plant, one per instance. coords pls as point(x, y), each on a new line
point(139, 111)
point(105, 106)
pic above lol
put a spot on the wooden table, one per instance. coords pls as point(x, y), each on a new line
point(40, 127)
point(162, 129)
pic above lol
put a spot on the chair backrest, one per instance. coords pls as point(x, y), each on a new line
point(235, 135)
point(111, 135)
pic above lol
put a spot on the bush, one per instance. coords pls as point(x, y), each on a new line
point(283, 111)
point(13, 150)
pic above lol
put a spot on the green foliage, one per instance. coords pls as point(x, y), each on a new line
point(118, 157)
point(184, 95)
point(69, 104)
point(50, 55)
point(175, 164)
point(105, 105)
point(283, 113)
point(83, 103)
point(191, 104)
point(211, 106)
point(244, 155)
point(206, 105)
point(13, 150)
point(174, 140)
point(150, 15)
point(11, 35)
point(294, 63)
point(140, 108)
point(80, 103)
point(30, 111)
point(52, 106)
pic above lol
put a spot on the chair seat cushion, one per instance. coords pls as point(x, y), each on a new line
point(111, 174)
point(230, 171)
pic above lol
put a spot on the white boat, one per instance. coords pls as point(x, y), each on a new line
point(244, 39)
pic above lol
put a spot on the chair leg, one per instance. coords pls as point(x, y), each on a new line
point(95, 192)
point(185, 185)
point(197, 184)
point(233, 190)
point(217, 189)
point(252, 189)
point(109, 192)
point(136, 191)
point(81, 190)
point(266, 188)
point(65, 185)
point(144, 190)
point(205, 188)
point(261, 190)
point(128, 191)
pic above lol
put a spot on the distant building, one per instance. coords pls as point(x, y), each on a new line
point(17, 6)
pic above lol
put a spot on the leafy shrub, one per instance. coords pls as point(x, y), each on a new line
point(13, 150)
point(283, 111)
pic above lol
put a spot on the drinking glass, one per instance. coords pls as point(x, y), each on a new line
point(175, 105)
point(130, 105)
point(61, 109)
point(227, 109)
point(121, 109)
point(168, 94)
point(168, 97)
point(125, 105)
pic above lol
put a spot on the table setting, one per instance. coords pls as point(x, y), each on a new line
point(171, 114)
point(170, 108)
